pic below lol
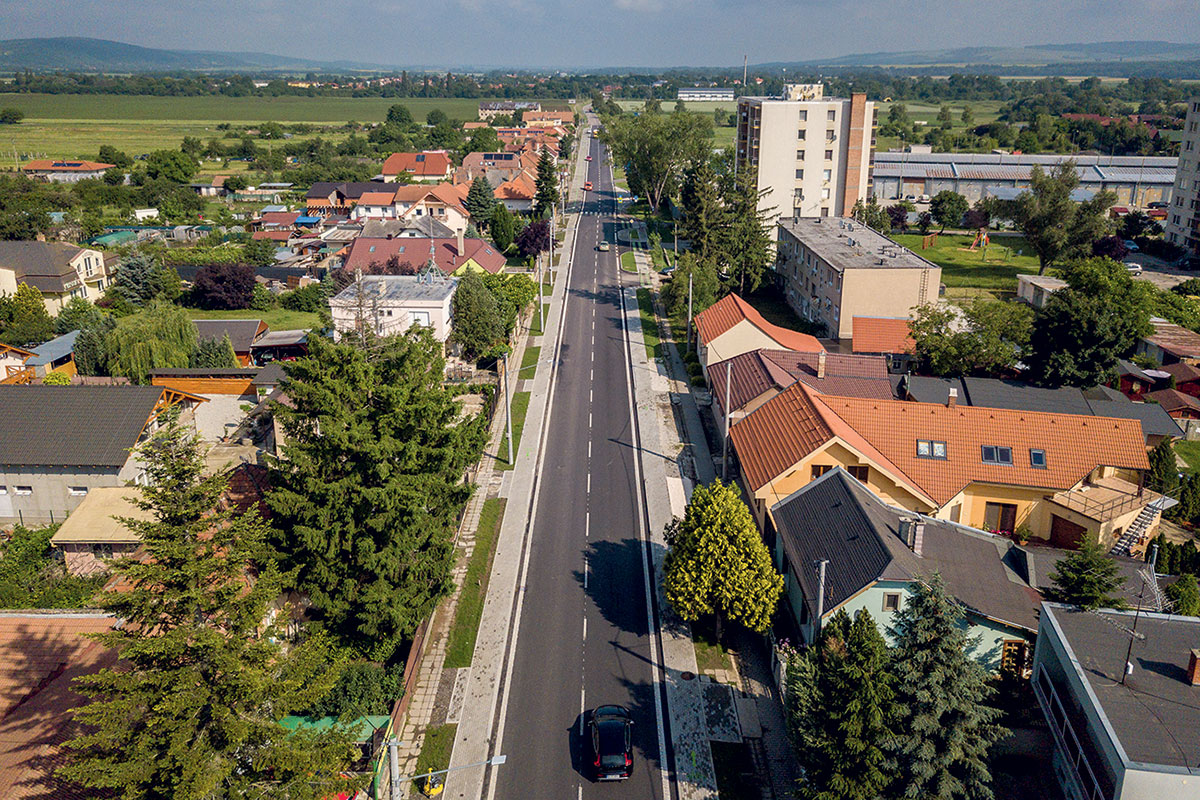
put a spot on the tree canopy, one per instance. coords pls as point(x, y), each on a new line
point(947, 207)
point(24, 320)
point(1056, 226)
point(478, 324)
point(716, 563)
point(546, 194)
point(481, 197)
point(1087, 578)
point(655, 148)
point(987, 339)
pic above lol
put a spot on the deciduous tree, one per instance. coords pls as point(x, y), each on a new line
point(223, 286)
point(947, 207)
point(655, 149)
point(159, 337)
point(193, 709)
point(938, 749)
point(478, 324)
point(24, 320)
point(716, 563)
point(987, 339)
point(1055, 226)
point(534, 238)
point(173, 165)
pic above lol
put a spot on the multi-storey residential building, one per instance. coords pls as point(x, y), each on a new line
point(813, 154)
point(1183, 217)
point(834, 270)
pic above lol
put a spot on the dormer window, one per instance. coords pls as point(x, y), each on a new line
point(994, 454)
point(929, 448)
point(1037, 458)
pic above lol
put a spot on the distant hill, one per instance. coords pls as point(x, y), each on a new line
point(1033, 55)
point(79, 54)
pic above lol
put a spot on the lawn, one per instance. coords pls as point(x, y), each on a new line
point(649, 323)
point(279, 319)
point(628, 262)
point(1190, 452)
point(520, 406)
point(435, 753)
point(968, 273)
point(530, 360)
point(535, 325)
point(770, 302)
point(461, 644)
point(710, 654)
point(984, 111)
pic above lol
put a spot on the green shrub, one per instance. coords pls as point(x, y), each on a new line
point(261, 298)
point(694, 368)
point(310, 298)
point(364, 688)
point(698, 380)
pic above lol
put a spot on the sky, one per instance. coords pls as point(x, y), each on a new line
point(593, 33)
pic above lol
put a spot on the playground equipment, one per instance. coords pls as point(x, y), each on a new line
point(981, 240)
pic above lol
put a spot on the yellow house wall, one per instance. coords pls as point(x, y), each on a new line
point(741, 338)
point(884, 293)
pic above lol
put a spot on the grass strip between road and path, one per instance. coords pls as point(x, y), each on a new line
point(650, 335)
point(535, 325)
point(529, 359)
point(628, 262)
point(520, 406)
point(711, 655)
point(461, 645)
point(435, 754)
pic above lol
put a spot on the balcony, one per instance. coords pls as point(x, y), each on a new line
point(1105, 499)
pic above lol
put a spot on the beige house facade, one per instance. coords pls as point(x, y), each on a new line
point(59, 271)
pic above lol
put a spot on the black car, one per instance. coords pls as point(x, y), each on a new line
point(611, 730)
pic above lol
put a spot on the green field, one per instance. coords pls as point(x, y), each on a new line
point(971, 274)
point(74, 126)
point(520, 406)
point(985, 111)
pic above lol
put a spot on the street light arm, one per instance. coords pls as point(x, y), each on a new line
point(495, 761)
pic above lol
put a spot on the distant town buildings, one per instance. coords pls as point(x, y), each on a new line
point(705, 94)
point(1183, 219)
point(489, 110)
point(813, 153)
point(65, 170)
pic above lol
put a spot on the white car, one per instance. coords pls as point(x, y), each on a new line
point(1133, 267)
point(604, 247)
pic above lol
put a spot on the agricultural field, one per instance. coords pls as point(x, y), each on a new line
point(984, 111)
point(978, 273)
point(74, 126)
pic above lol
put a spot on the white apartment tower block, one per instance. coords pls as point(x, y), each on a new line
point(1183, 217)
point(814, 154)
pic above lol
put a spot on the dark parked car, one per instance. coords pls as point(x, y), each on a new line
point(611, 732)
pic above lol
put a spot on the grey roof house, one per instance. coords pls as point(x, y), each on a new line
point(58, 442)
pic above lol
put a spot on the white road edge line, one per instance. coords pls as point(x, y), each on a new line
point(644, 536)
point(510, 654)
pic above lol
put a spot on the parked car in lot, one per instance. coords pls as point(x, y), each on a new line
point(1134, 267)
point(611, 731)
point(1156, 204)
point(604, 247)
point(1131, 245)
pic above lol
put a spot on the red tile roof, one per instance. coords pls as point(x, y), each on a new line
point(377, 199)
point(275, 236)
point(760, 371)
point(1175, 402)
point(283, 218)
point(731, 310)
point(790, 426)
point(43, 654)
point(426, 164)
point(881, 335)
point(65, 165)
point(415, 251)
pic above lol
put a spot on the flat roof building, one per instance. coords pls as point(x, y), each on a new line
point(833, 270)
point(704, 94)
point(813, 153)
point(1120, 731)
point(1183, 216)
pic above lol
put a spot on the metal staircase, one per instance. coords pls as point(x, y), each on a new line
point(1145, 518)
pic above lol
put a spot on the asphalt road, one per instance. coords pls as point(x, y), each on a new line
point(583, 637)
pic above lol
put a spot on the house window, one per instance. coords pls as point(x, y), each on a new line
point(825, 212)
point(829, 136)
point(829, 155)
point(1037, 458)
point(928, 448)
point(1000, 517)
point(799, 155)
point(831, 115)
point(77, 491)
point(993, 454)
point(825, 193)
point(22, 491)
point(800, 134)
point(102, 550)
point(859, 473)
point(803, 115)
point(799, 174)
point(820, 469)
point(419, 318)
point(891, 601)
point(827, 174)
point(1014, 657)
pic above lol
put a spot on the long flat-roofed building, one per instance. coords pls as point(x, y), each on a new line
point(813, 153)
point(833, 270)
point(1183, 216)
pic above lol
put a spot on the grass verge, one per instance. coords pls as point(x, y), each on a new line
point(461, 644)
point(734, 768)
point(529, 359)
point(280, 319)
point(435, 753)
point(520, 406)
point(535, 325)
point(710, 654)
point(1190, 453)
point(628, 263)
point(649, 324)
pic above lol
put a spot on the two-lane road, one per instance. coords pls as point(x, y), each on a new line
point(583, 635)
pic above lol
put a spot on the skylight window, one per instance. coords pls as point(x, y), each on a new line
point(1037, 458)
point(993, 454)
point(928, 448)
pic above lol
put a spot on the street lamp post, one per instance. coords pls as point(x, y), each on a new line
point(508, 409)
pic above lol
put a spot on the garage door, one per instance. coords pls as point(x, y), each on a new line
point(1066, 534)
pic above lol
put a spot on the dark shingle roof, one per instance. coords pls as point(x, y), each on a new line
point(242, 332)
point(836, 517)
point(43, 265)
point(926, 389)
point(1018, 396)
point(1155, 421)
point(72, 425)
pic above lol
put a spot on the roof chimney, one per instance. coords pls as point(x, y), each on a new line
point(913, 532)
point(459, 236)
point(821, 364)
point(1193, 671)
point(951, 397)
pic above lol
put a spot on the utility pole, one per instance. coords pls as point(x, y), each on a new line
point(725, 447)
point(820, 596)
point(508, 408)
point(689, 323)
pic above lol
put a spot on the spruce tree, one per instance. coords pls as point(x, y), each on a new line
point(1164, 470)
point(193, 708)
point(215, 353)
point(1087, 578)
point(546, 195)
point(480, 199)
point(368, 491)
point(840, 708)
point(704, 215)
point(943, 726)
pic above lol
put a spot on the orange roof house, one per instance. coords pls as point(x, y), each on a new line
point(65, 170)
point(423, 166)
point(731, 326)
point(882, 336)
point(1062, 476)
